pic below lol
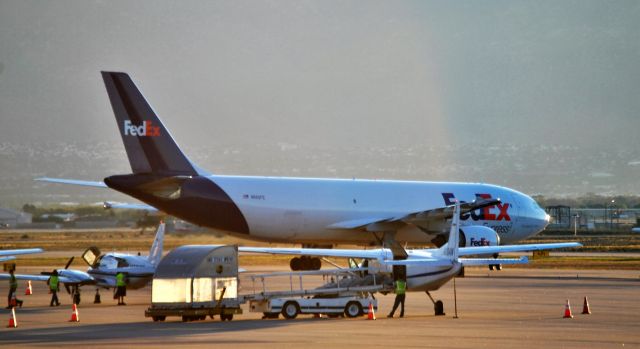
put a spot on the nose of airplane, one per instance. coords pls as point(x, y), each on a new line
point(533, 219)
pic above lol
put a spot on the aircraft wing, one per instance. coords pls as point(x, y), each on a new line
point(4, 253)
point(316, 252)
point(419, 218)
point(480, 250)
point(63, 279)
point(490, 261)
point(72, 182)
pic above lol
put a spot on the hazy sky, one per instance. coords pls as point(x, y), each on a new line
point(327, 72)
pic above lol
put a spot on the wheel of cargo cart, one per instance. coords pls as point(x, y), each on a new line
point(229, 317)
point(290, 310)
point(185, 318)
point(353, 309)
point(158, 318)
point(270, 315)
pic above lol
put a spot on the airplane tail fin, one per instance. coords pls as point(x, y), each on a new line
point(155, 253)
point(450, 249)
point(149, 146)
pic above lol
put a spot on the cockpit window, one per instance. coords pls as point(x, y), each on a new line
point(122, 263)
point(108, 262)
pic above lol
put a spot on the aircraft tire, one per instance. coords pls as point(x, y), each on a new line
point(316, 263)
point(438, 308)
point(295, 264)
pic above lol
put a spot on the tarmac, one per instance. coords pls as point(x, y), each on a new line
point(512, 308)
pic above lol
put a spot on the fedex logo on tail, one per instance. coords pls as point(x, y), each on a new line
point(147, 129)
point(488, 213)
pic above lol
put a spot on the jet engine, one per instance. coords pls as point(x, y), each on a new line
point(478, 235)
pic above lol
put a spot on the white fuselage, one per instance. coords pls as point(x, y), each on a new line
point(301, 210)
point(137, 268)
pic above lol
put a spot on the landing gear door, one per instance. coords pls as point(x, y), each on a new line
point(90, 256)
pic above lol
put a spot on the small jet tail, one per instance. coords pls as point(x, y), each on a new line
point(148, 144)
point(450, 249)
point(155, 253)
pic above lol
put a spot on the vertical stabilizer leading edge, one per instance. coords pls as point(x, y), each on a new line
point(155, 253)
point(450, 249)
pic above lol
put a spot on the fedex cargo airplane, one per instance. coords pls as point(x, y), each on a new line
point(315, 212)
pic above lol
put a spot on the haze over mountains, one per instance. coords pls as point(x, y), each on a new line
point(534, 169)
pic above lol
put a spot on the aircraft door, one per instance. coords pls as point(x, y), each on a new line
point(90, 256)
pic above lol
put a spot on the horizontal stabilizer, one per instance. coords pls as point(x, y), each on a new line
point(72, 182)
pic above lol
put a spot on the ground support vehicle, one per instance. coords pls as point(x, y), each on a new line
point(349, 293)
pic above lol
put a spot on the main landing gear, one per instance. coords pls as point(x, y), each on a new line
point(305, 263)
point(438, 306)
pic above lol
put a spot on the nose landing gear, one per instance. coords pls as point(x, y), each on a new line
point(438, 306)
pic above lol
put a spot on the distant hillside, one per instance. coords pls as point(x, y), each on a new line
point(553, 171)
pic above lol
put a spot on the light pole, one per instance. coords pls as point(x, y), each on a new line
point(611, 214)
point(575, 224)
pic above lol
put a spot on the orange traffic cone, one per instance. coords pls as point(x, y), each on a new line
point(29, 290)
point(372, 314)
point(585, 307)
point(75, 317)
point(567, 311)
point(13, 322)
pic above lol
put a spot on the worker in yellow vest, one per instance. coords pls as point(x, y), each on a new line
point(121, 288)
point(400, 289)
point(54, 287)
point(13, 287)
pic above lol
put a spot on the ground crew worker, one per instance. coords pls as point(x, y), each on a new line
point(121, 289)
point(401, 288)
point(13, 286)
point(54, 287)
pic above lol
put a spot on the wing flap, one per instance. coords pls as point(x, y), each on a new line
point(491, 261)
point(480, 250)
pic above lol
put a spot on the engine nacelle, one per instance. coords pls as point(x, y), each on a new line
point(478, 235)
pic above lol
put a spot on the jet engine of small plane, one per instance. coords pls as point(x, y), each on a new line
point(478, 235)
